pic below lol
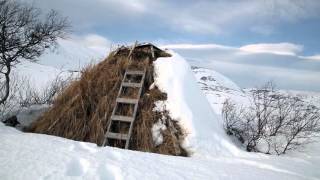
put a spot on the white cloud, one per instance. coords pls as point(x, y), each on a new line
point(314, 57)
point(196, 46)
point(278, 48)
point(227, 16)
point(270, 48)
point(248, 67)
point(132, 5)
point(94, 41)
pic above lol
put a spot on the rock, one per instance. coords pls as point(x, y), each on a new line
point(11, 121)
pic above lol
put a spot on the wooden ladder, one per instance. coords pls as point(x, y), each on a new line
point(138, 78)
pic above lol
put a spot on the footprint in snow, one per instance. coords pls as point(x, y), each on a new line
point(77, 167)
point(110, 172)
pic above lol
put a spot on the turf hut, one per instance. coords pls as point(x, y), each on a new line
point(112, 104)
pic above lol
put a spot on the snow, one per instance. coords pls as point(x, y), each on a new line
point(159, 126)
point(39, 76)
point(197, 108)
point(36, 156)
point(71, 55)
point(62, 60)
point(189, 106)
point(156, 130)
point(218, 88)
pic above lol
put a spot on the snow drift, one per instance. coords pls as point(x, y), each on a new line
point(187, 104)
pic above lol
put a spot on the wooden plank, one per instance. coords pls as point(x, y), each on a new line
point(152, 53)
point(134, 46)
point(127, 101)
point(129, 84)
point(122, 118)
point(120, 136)
point(134, 72)
point(129, 136)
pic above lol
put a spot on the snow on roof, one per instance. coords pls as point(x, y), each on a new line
point(188, 104)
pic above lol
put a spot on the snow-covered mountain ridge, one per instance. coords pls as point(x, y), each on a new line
point(218, 88)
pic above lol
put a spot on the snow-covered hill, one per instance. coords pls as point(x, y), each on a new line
point(215, 156)
point(65, 59)
point(218, 88)
point(70, 55)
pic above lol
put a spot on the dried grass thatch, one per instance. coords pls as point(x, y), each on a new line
point(83, 110)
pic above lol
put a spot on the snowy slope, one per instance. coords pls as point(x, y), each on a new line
point(38, 75)
point(187, 104)
point(62, 60)
point(70, 55)
point(218, 88)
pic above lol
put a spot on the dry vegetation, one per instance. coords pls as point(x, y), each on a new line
point(273, 123)
point(82, 111)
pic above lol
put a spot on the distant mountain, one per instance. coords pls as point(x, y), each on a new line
point(218, 88)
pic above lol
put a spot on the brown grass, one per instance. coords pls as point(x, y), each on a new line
point(82, 111)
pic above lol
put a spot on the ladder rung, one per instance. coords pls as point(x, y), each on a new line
point(127, 84)
point(127, 101)
point(122, 118)
point(134, 72)
point(117, 136)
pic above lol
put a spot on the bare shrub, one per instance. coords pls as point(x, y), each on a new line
point(32, 96)
point(273, 123)
point(23, 94)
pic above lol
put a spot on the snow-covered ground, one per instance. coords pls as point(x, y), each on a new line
point(35, 156)
point(215, 156)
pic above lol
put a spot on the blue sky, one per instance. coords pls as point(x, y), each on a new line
point(233, 22)
point(256, 26)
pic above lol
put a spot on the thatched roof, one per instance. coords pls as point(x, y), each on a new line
point(82, 111)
